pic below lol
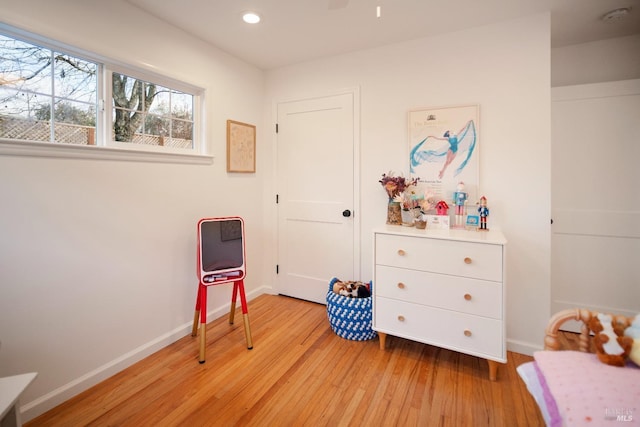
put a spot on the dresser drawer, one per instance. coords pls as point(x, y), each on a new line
point(472, 296)
point(475, 260)
point(479, 336)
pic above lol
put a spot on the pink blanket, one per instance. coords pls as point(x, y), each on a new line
point(586, 392)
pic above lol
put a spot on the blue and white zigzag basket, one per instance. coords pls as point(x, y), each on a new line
point(350, 318)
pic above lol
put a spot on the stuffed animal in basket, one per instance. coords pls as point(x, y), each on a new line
point(612, 347)
point(633, 332)
point(351, 289)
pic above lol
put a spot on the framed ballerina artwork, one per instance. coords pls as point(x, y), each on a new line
point(443, 149)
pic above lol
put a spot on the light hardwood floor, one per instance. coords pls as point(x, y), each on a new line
point(300, 373)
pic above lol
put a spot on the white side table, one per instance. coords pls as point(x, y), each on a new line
point(10, 390)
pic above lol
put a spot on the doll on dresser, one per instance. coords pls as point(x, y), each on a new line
point(483, 211)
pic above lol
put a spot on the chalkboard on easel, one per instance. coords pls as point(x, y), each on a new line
point(221, 248)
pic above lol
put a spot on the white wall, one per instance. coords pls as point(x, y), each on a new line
point(601, 61)
point(505, 68)
point(98, 257)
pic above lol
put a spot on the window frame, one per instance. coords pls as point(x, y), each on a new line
point(106, 147)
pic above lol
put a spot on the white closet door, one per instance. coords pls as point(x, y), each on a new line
point(595, 200)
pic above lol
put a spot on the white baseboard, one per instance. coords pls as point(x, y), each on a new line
point(42, 404)
point(523, 347)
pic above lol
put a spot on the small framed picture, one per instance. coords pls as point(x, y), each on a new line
point(473, 221)
point(241, 147)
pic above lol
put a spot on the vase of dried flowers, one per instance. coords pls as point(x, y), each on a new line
point(395, 186)
point(394, 213)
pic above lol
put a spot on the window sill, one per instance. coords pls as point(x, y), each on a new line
point(45, 149)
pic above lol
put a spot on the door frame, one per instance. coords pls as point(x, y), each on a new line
point(357, 243)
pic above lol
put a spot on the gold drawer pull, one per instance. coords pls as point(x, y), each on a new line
point(401, 318)
point(467, 297)
point(467, 260)
point(401, 252)
point(467, 333)
point(400, 285)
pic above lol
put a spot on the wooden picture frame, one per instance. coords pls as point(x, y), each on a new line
point(241, 147)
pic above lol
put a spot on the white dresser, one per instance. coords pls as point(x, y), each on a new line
point(442, 287)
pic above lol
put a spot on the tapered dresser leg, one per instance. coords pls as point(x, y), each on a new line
point(383, 340)
point(493, 369)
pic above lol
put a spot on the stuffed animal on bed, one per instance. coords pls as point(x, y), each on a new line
point(612, 347)
point(633, 332)
point(351, 289)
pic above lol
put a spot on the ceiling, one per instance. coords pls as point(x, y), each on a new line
point(293, 31)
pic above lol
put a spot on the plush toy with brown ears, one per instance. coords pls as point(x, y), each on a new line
point(351, 289)
point(612, 347)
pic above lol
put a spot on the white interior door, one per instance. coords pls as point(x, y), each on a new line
point(595, 200)
point(317, 170)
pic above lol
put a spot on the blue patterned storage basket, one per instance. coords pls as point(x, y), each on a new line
point(350, 318)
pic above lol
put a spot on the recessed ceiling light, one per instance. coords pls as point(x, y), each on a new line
point(251, 18)
point(616, 14)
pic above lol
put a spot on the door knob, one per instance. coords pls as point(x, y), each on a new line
point(346, 213)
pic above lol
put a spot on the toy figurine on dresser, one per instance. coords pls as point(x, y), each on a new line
point(459, 199)
point(483, 210)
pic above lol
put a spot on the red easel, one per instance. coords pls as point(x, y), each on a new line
point(220, 271)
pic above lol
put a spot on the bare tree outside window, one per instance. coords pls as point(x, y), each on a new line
point(46, 95)
point(50, 96)
point(147, 113)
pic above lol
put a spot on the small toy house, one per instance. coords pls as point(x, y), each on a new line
point(442, 208)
